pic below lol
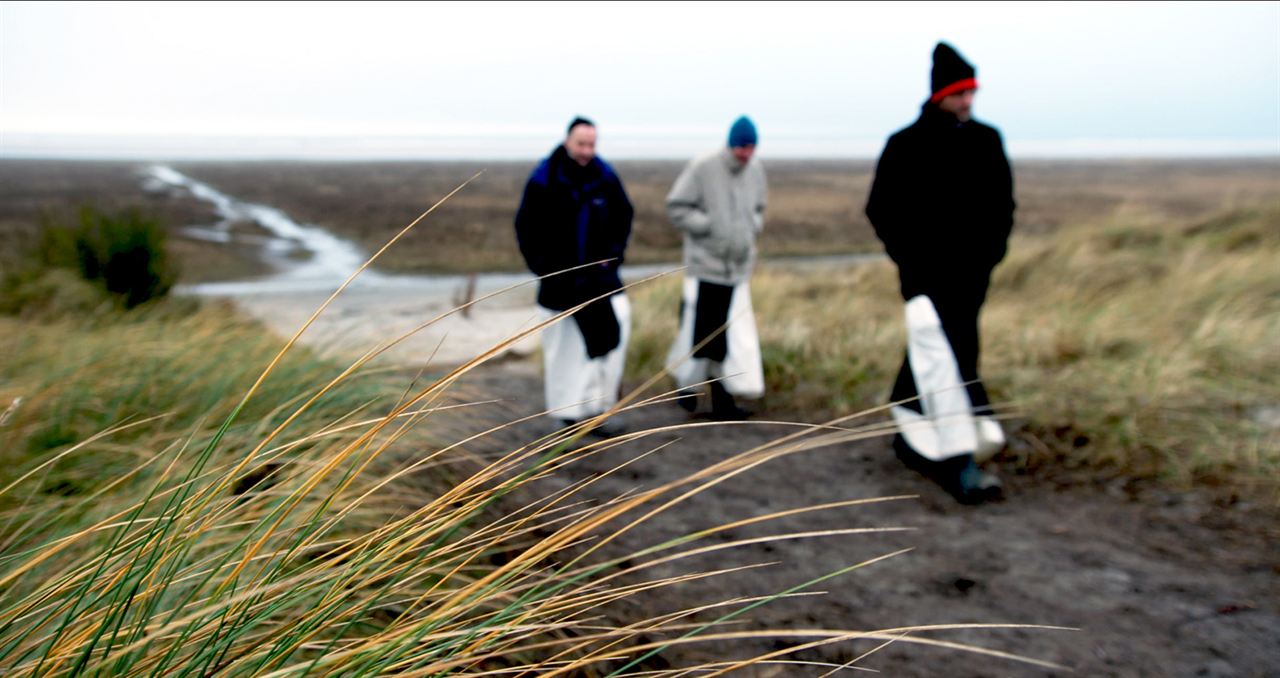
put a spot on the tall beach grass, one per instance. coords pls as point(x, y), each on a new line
point(1133, 345)
point(181, 497)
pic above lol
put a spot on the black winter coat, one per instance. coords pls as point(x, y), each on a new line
point(942, 203)
point(572, 215)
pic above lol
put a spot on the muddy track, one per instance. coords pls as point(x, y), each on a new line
point(1159, 583)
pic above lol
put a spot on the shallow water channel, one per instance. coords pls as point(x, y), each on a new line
point(310, 258)
point(311, 263)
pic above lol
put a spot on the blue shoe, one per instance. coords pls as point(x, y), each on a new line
point(958, 475)
point(972, 485)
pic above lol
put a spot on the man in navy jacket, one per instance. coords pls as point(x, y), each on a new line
point(575, 215)
point(942, 204)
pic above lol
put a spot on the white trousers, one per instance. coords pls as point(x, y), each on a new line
point(577, 386)
point(947, 427)
point(742, 372)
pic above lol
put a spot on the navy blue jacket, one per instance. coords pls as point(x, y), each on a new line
point(572, 215)
point(942, 203)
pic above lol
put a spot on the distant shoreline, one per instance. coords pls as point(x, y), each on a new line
point(815, 206)
point(500, 147)
point(1271, 158)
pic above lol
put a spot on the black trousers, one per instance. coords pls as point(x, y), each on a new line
point(958, 302)
point(710, 316)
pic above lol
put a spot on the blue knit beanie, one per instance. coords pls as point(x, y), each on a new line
point(743, 133)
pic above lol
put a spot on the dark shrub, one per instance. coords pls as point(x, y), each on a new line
point(122, 252)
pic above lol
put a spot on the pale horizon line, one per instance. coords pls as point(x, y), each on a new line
point(214, 147)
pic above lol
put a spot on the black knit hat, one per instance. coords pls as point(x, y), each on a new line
point(951, 73)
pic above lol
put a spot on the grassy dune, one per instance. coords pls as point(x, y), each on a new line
point(179, 497)
point(165, 510)
point(1138, 344)
point(165, 377)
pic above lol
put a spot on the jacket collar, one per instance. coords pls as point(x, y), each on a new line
point(566, 170)
point(936, 118)
point(730, 163)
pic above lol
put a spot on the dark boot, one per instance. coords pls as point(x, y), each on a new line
point(609, 428)
point(687, 399)
point(958, 475)
point(723, 406)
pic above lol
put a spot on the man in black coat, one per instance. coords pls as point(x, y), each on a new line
point(942, 204)
point(575, 215)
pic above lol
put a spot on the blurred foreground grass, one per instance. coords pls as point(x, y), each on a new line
point(1135, 345)
point(164, 512)
point(152, 522)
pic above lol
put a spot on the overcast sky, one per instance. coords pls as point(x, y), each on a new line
point(502, 80)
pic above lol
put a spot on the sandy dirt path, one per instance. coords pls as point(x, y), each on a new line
point(422, 313)
point(1158, 582)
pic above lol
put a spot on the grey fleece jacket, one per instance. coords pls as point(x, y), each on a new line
point(719, 205)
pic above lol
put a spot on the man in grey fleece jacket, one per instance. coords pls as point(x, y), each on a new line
point(718, 202)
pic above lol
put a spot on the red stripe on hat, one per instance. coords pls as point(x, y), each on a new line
point(958, 86)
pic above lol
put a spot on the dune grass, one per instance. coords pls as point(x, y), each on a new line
point(305, 535)
point(181, 496)
point(1138, 344)
point(156, 521)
